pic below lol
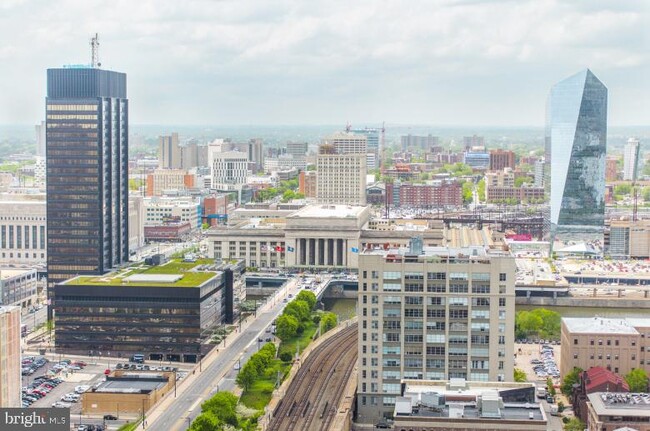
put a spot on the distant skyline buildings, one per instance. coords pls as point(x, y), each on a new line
point(631, 160)
point(576, 148)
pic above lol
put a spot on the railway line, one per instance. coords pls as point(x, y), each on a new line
point(313, 397)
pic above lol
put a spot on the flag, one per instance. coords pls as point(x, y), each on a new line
point(355, 250)
point(290, 249)
point(279, 248)
point(263, 247)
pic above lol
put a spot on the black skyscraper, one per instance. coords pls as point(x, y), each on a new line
point(87, 172)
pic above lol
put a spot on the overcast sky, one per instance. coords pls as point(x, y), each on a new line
point(438, 62)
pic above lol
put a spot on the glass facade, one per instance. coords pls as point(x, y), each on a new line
point(576, 138)
point(87, 172)
point(155, 321)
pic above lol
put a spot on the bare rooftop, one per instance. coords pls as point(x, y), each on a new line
point(598, 325)
point(328, 211)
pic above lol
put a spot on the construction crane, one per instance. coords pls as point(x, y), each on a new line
point(94, 52)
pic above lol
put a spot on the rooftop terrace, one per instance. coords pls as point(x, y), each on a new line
point(175, 273)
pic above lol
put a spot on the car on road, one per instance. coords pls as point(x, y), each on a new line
point(110, 418)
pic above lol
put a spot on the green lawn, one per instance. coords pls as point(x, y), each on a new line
point(190, 279)
point(129, 427)
point(259, 395)
point(303, 340)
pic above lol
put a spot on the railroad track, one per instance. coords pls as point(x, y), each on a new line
point(314, 395)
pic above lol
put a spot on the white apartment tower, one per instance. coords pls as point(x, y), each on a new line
point(433, 313)
point(229, 170)
point(341, 165)
point(631, 159)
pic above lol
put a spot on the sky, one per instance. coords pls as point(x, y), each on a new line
point(283, 62)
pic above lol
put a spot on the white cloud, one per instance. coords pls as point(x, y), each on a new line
point(292, 61)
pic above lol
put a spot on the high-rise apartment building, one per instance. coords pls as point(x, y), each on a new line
point(169, 179)
point(297, 149)
point(347, 143)
point(473, 141)
point(539, 172)
point(576, 145)
point(341, 175)
point(10, 361)
point(372, 146)
point(420, 142)
point(500, 159)
point(169, 152)
point(87, 121)
point(229, 170)
point(432, 313)
point(631, 160)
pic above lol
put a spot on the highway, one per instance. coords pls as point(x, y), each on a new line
point(218, 368)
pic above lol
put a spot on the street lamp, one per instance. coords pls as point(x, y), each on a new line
point(189, 421)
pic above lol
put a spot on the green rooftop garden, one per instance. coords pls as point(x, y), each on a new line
point(173, 267)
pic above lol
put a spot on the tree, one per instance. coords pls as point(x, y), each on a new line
point(523, 180)
point(286, 327)
point(480, 188)
point(308, 297)
point(520, 375)
point(569, 380)
point(247, 375)
point(623, 189)
point(298, 309)
point(206, 421)
point(468, 195)
point(328, 321)
point(574, 424)
point(645, 194)
point(637, 379)
point(222, 405)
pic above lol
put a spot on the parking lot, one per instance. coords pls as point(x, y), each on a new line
point(59, 382)
point(538, 361)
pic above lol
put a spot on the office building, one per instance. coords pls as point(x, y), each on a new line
point(298, 149)
point(631, 160)
point(619, 345)
point(576, 146)
point(501, 159)
point(341, 167)
point(229, 171)
point(460, 405)
point(169, 152)
point(172, 310)
point(18, 287)
point(87, 176)
point(477, 159)
point(10, 357)
point(159, 210)
point(23, 235)
point(611, 168)
point(628, 239)
point(539, 172)
point(169, 179)
point(432, 313)
point(373, 156)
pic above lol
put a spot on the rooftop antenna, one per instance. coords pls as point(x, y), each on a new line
point(94, 47)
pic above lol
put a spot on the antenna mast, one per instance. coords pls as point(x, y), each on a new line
point(94, 48)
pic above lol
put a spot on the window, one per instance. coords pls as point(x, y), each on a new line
point(616, 342)
point(502, 302)
point(502, 276)
point(609, 342)
point(575, 356)
point(575, 341)
point(591, 342)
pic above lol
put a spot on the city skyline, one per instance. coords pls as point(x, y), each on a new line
point(224, 63)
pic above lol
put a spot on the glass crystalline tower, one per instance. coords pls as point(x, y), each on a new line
point(576, 141)
point(87, 172)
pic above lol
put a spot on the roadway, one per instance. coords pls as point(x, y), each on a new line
point(218, 371)
point(34, 319)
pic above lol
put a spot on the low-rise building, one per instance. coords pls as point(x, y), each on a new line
point(595, 379)
point(460, 405)
point(619, 345)
point(18, 287)
point(10, 359)
point(164, 312)
point(307, 183)
point(159, 210)
point(169, 179)
point(127, 392)
point(167, 231)
point(615, 411)
point(627, 239)
point(22, 231)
